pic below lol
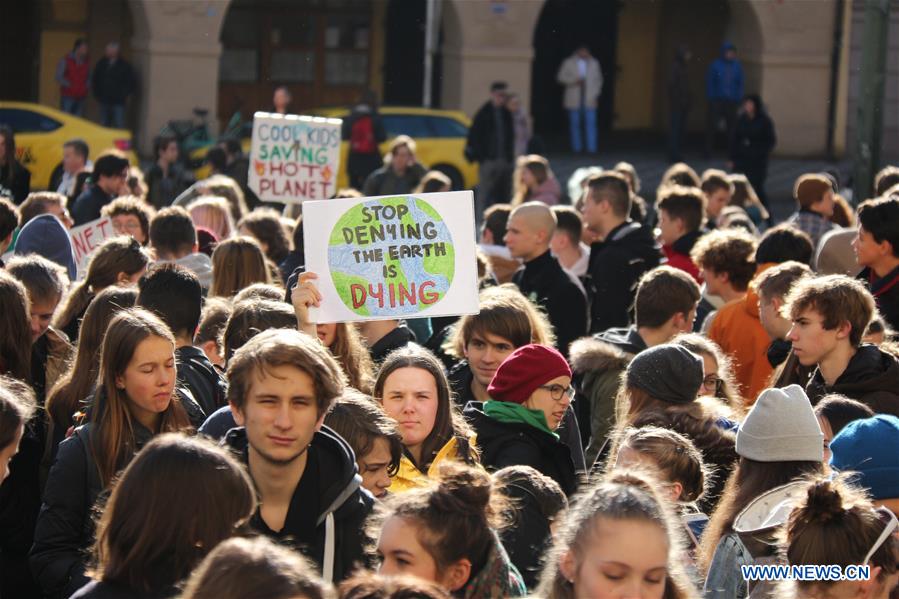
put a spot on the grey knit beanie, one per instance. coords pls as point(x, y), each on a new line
point(781, 427)
point(666, 372)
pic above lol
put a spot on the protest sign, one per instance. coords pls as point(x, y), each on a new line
point(392, 256)
point(294, 158)
point(87, 238)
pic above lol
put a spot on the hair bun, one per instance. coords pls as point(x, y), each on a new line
point(462, 490)
point(824, 503)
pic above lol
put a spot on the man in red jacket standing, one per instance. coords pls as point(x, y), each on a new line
point(73, 76)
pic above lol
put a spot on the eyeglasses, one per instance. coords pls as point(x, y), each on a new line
point(892, 524)
point(713, 382)
point(556, 391)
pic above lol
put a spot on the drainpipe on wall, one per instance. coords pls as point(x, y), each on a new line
point(834, 75)
point(432, 35)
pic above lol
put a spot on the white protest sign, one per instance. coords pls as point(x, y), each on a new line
point(392, 256)
point(87, 238)
point(294, 158)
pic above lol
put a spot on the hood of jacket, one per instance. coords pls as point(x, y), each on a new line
point(725, 47)
point(201, 265)
point(340, 481)
point(613, 348)
point(47, 236)
point(635, 239)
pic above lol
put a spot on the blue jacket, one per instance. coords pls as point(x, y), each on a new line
point(724, 79)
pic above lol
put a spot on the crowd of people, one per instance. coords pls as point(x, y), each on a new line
point(651, 395)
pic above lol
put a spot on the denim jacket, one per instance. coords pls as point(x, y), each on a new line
point(725, 580)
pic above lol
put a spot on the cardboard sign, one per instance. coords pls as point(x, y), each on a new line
point(392, 256)
point(87, 238)
point(294, 158)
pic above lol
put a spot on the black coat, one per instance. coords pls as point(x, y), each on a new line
point(544, 282)
point(88, 205)
point(518, 444)
point(65, 526)
point(752, 142)
point(615, 267)
point(16, 186)
point(107, 590)
point(886, 294)
point(341, 497)
point(112, 82)
point(481, 145)
point(871, 377)
point(197, 373)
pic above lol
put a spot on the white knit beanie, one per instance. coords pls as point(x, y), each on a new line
point(781, 427)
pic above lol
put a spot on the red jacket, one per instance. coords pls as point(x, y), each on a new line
point(681, 261)
point(77, 75)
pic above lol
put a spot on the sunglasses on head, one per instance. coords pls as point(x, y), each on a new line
point(892, 523)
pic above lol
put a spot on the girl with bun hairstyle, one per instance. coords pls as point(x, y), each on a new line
point(413, 389)
point(619, 539)
point(679, 467)
point(836, 524)
point(529, 395)
point(446, 533)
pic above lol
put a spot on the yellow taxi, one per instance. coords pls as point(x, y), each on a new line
point(40, 132)
point(439, 139)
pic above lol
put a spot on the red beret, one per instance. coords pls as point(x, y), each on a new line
point(524, 370)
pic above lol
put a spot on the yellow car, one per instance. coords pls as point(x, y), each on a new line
point(40, 132)
point(439, 138)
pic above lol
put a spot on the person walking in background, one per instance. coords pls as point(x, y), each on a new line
point(112, 83)
point(166, 179)
point(365, 131)
point(678, 101)
point(581, 75)
point(15, 179)
point(519, 124)
point(723, 90)
point(73, 76)
point(490, 142)
point(281, 100)
point(751, 145)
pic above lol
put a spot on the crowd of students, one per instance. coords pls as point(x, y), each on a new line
point(630, 413)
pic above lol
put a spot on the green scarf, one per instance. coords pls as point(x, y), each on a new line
point(506, 411)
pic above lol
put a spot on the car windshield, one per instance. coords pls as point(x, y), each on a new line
point(27, 121)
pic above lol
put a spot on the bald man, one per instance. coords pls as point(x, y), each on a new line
point(542, 279)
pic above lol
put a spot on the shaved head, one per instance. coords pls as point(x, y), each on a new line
point(530, 229)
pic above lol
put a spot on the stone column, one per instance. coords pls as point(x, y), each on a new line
point(176, 53)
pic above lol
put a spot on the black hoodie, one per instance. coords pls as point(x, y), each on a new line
point(871, 377)
point(616, 265)
point(337, 534)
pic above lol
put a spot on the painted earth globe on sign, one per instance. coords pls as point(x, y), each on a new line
point(391, 256)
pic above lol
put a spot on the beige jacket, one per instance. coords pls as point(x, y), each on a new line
point(569, 76)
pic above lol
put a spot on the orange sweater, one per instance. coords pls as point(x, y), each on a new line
point(739, 332)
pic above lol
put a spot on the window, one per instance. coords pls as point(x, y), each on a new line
point(413, 125)
point(27, 121)
point(342, 68)
point(294, 66)
point(238, 65)
point(442, 126)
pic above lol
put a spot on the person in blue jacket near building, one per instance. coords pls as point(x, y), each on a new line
point(724, 92)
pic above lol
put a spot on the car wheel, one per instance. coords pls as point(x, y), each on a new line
point(451, 172)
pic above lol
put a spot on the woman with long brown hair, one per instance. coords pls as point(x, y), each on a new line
point(118, 261)
point(15, 329)
point(78, 382)
point(413, 389)
point(135, 400)
point(779, 441)
point(535, 182)
point(237, 263)
point(214, 499)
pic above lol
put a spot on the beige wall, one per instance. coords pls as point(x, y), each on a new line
point(638, 29)
point(176, 50)
point(481, 46)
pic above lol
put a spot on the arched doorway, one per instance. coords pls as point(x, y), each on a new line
point(404, 51)
point(563, 25)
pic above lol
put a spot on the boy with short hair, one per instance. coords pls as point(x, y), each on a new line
point(877, 250)
point(281, 385)
point(830, 315)
point(566, 245)
point(213, 318)
point(815, 199)
point(725, 261)
point(718, 190)
point(665, 305)
point(772, 286)
point(681, 211)
point(174, 239)
point(130, 216)
point(174, 293)
point(109, 177)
